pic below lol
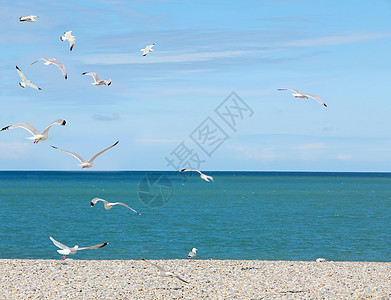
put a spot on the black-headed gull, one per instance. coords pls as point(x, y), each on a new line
point(37, 136)
point(65, 250)
point(98, 81)
point(163, 272)
point(84, 163)
point(28, 19)
point(53, 61)
point(202, 175)
point(192, 253)
point(68, 36)
point(298, 94)
point(25, 81)
point(109, 205)
point(147, 49)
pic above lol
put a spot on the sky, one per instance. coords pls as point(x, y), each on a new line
point(207, 96)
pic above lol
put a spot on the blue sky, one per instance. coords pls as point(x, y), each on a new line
point(204, 50)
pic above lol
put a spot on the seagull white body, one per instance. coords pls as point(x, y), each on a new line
point(68, 36)
point(163, 272)
point(53, 61)
point(65, 250)
point(25, 81)
point(202, 175)
point(28, 19)
point(147, 49)
point(98, 81)
point(84, 163)
point(37, 136)
point(298, 94)
point(109, 205)
point(192, 253)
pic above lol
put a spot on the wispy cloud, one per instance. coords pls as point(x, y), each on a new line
point(311, 146)
point(100, 117)
point(344, 157)
point(157, 141)
point(332, 40)
point(309, 151)
point(266, 154)
point(125, 58)
point(14, 150)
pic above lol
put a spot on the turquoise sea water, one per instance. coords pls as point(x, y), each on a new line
point(242, 215)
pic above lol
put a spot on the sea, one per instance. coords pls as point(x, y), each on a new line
point(241, 215)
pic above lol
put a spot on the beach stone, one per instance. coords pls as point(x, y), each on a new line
point(209, 279)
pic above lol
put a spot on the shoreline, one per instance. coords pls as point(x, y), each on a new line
point(208, 279)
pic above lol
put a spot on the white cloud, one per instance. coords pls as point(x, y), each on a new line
point(157, 141)
point(14, 150)
point(344, 157)
point(337, 39)
point(311, 146)
point(309, 151)
point(100, 117)
point(163, 57)
point(265, 154)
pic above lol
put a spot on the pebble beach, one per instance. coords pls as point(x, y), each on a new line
point(208, 279)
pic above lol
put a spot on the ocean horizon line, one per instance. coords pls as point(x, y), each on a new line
point(208, 170)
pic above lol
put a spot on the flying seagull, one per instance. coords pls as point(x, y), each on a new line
point(192, 253)
point(147, 49)
point(25, 81)
point(65, 250)
point(298, 94)
point(202, 175)
point(163, 272)
point(110, 205)
point(28, 19)
point(37, 136)
point(98, 81)
point(68, 36)
point(84, 163)
point(53, 61)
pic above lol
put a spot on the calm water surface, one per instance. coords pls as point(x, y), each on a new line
point(242, 215)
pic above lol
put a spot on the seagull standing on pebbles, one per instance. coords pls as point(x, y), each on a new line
point(147, 49)
point(84, 163)
point(163, 272)
point(192, 253)
point(68, 36)
point(37, 136)
point(25, 81)
point(65, 250)
point(110, 205)
point(298, 94)
point(53, 61)
point(28, 19)
point(98, 81)
point(202, 175)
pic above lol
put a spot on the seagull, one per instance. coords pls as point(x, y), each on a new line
point(163, 272)
point(68, 36)
point(298, 94)
point(25, 81)
point(37, 136)
point(110, 205)
point(98, 81)
point(84, 163)
point(147, 49)
point(28, 19)
point(203, 176)
point(65, 250)
point(53, 61)
point(192, 253)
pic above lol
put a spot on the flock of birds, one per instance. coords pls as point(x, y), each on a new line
point(38, 136)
